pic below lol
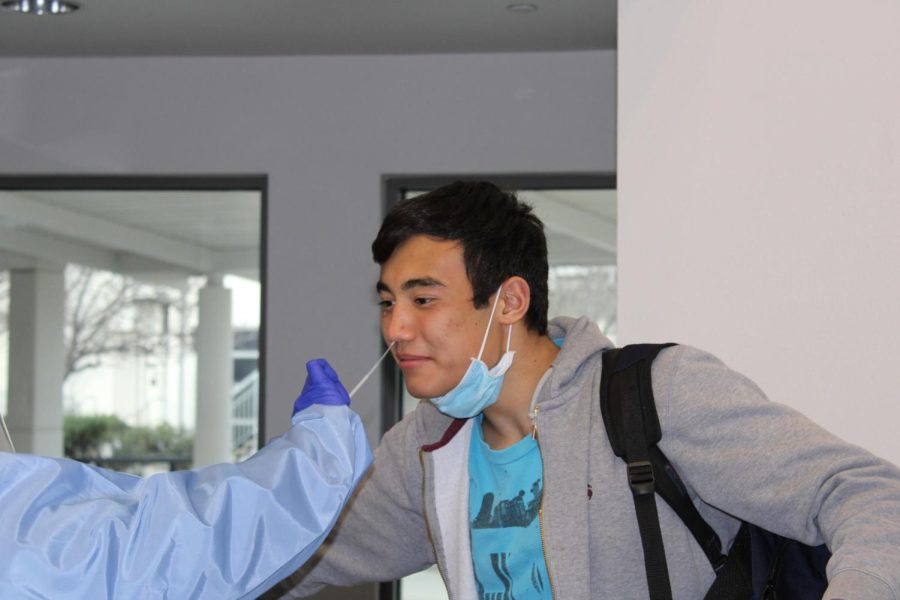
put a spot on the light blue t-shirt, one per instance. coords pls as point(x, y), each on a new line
point(505, 490)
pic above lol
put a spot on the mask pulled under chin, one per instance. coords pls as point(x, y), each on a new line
point(480, 387)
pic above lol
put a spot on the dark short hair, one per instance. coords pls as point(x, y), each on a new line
point(500, 235)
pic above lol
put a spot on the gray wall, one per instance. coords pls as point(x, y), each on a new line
point(325, 130)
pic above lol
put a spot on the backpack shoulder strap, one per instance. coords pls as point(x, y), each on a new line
point(632, 430)
point(625, 383)
point(632, 424)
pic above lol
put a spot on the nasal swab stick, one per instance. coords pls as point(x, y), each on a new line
point(372, 370)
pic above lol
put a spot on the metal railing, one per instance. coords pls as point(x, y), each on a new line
point(245, 416)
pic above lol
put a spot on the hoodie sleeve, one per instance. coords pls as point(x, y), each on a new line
point(382, 535)
point(766, 463)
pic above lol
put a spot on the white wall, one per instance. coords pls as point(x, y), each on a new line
point(759, 191)
point(325, 130)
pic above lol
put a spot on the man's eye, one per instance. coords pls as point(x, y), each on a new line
point(423, 301)
point(385, 303)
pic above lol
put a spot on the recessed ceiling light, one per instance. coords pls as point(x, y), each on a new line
point(40, 7)
point(521, 7)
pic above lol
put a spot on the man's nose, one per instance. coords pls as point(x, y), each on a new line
point(398, 326)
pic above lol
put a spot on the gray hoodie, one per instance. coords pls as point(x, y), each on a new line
point(738, 453)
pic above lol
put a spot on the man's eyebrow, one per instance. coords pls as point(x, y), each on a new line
point(421, 282)
point(411, 284)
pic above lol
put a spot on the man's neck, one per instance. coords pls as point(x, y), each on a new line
point(509, 419)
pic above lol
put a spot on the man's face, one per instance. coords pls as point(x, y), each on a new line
point(427, 312)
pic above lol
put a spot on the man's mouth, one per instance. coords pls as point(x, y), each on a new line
point(410, 361)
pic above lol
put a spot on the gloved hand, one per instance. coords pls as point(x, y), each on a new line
point(322, 387)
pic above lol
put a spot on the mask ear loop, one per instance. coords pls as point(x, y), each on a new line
point(491, 320)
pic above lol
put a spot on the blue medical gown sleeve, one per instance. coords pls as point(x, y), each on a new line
point(69, 530)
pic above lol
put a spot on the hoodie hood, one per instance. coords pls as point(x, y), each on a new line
point(582, 343)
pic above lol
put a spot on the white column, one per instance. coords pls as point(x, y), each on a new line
point(36, 360)
point(212, 438)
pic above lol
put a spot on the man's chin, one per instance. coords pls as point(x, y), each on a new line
point(423, 392)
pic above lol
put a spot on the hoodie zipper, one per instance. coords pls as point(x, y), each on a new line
point(544, 548)
point(534, 434)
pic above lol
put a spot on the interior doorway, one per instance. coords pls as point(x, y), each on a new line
point(580, 215)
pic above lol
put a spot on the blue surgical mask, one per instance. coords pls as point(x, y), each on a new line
point(480, 387)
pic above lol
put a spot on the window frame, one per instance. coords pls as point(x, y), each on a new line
point(163, 183)
point(394, 188)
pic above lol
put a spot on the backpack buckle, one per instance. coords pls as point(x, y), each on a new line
point(640, 477)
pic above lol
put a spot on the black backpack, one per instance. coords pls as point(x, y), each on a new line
point(759, 565)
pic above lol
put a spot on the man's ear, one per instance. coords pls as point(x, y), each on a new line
point(515, 298)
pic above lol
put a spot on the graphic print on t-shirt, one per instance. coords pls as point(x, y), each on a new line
point(509, 513)
point(514, 512)
point(505, 492)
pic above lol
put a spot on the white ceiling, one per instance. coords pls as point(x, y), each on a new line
point(294, 27)
point(153, 234)
point(220, 220)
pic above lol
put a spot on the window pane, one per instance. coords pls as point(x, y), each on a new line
point(425, 585)
point(160, 313)
point(581, 248)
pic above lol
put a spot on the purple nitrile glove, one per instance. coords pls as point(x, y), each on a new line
point(322, 387)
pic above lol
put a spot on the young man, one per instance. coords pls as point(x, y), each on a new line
point(506, 478)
